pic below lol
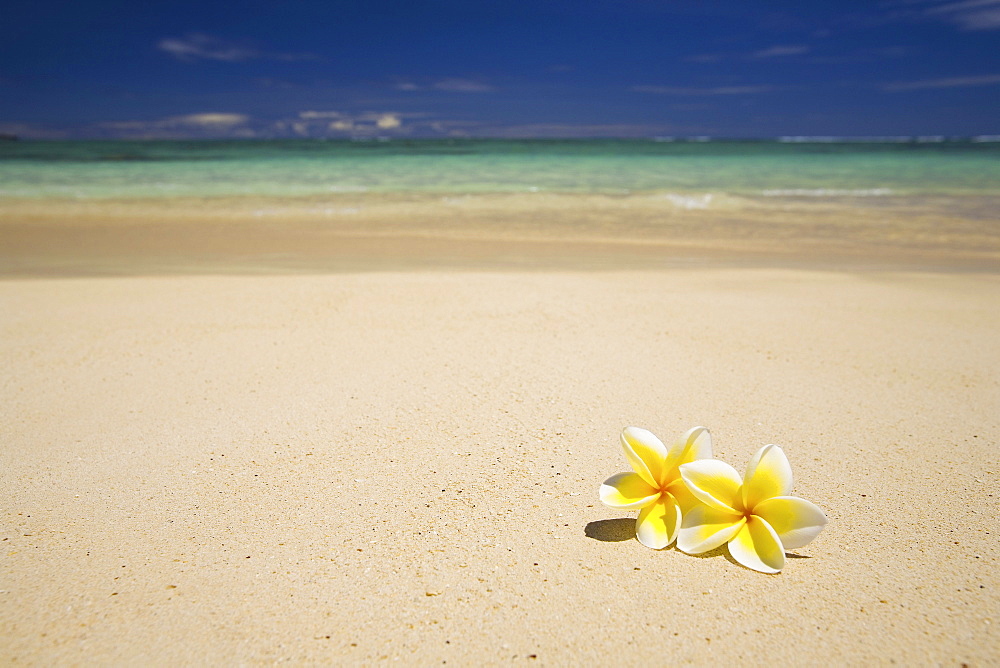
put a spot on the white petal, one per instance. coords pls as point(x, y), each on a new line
point(757, 546)
point(658, 523)
point(704, 528)
point(795, 520)
point(645, 453)
point(715, 483)
point(694, 444)
point(627, 490)
point(768, 474)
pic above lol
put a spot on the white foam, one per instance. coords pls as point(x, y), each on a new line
point(688, 202)
point(827, 192)
point(825, 139)
point(346, 189)
point(326, 210)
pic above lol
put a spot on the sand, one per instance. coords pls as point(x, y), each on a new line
point(403, 466)
point(366, 232)
point(350, 467)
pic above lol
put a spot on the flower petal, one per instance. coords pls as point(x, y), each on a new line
point(714, 483)
point(705, 528)
point(795, 520)
point(694, 444)
point(627, 490)
point(768, 474)
point(658, 523)
point(645, 453)
point(757, 546)
point(685, 499)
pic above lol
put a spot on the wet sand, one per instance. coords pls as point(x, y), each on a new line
point(364, 232)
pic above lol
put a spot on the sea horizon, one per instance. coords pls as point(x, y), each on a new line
point(734, 139)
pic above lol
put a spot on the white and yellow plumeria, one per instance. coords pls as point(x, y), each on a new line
point(754, 514)
point(656, 487)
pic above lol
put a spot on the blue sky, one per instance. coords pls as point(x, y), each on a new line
point(545, 68)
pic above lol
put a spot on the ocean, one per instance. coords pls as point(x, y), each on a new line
point(94, 170)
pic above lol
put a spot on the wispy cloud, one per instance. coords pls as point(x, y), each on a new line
point(571, 130)
point(969, 15)
point(965, 14)
point(204, 47)
point(865, 55)
point(776, 51)
point(338, 124)
point(388, 121)
point(450, 85)
point(345, 124)
point(199, 46)
point(717, 90)
point(692, 106)
point(781, 50)
point(953, 82)
point(705, 58)
point(320, 115)
point(220, 125)
point(212, 119)
point(207, 125)
point(410, 124)
point(204, 120)
point(463, 86)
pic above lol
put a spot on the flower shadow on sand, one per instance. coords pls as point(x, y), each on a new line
point(723, 551)
point(611, 531)
point(623, 529)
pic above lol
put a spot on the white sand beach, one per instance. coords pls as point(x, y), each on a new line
point(403, 466)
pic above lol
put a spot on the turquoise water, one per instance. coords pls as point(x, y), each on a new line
point(117, 169)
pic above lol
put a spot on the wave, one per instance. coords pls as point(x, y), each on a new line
point(688, 202)
point(827, 192)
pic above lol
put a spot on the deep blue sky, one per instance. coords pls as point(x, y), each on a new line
point(123, 68)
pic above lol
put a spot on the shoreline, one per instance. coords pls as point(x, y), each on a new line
point(504, 232)
point(402, 255)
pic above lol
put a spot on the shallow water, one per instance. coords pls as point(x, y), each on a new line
point(116, 169)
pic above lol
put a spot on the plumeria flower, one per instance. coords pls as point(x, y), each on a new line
point(656, 486)
point(754, 515)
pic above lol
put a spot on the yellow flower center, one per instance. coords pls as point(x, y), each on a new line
point(739, 507)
